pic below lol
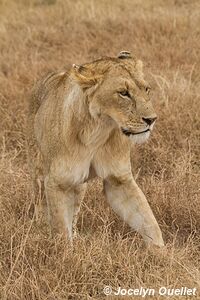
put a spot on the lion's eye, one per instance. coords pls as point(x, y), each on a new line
point(125, 93)
point(147, 90)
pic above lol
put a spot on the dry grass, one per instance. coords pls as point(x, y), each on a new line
point(41, 35)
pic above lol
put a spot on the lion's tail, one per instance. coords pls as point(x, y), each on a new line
point(34, 156)
point(41, 90)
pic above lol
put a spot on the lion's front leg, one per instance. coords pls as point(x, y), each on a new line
point(129, 202)
point(63, 205)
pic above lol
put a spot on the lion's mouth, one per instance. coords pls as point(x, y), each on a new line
point(128, 132)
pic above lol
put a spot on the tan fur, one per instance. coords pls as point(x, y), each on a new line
point(77, 121)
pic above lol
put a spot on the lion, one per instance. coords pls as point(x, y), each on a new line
point(82, 123)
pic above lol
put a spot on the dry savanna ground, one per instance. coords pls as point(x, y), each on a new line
point(41, 35)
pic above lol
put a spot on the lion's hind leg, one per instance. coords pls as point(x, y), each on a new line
point(79, 195)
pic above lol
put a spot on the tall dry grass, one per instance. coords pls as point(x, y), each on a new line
point(41, 35)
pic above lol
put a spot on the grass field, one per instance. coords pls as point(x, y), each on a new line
point(41, 35)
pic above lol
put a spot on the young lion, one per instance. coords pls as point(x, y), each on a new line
point(82, 122)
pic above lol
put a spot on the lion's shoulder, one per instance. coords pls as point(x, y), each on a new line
point(44, 87)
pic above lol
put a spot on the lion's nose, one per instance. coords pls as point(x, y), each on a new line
point(149, 121)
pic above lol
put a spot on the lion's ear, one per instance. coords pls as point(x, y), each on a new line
point(124, 54)
point(84, 76)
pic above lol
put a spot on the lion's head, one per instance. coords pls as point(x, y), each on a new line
point(116, 88)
